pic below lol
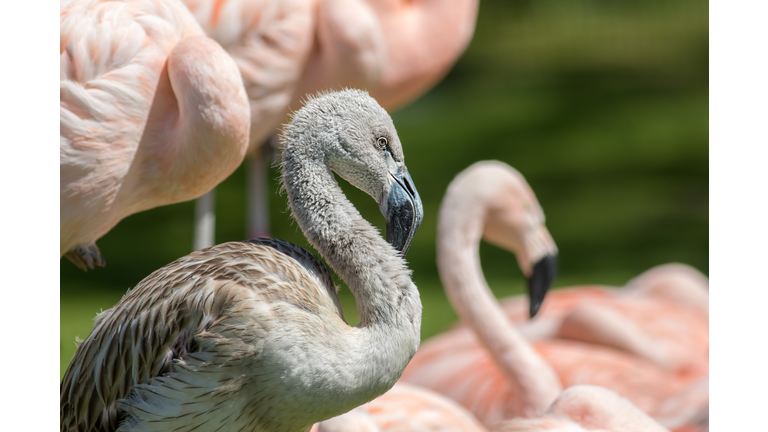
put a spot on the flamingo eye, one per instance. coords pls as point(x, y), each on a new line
point(382, 142)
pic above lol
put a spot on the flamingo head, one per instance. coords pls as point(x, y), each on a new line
point(361, 145)
point(513, 220)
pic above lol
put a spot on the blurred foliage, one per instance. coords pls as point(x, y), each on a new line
point(602, 106)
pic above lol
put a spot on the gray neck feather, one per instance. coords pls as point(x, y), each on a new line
point(387, 299)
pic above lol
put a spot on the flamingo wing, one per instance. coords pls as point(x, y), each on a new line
point(270, 41)
point(207, 313)
point(112, 55)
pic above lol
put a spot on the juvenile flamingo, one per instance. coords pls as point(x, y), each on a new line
point(250, 335)
point(492, 378)
point(152, 112)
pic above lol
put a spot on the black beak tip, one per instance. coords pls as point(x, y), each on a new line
point(544, 273)
point(405, 213)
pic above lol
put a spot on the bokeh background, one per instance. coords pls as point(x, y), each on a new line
point(601, 104)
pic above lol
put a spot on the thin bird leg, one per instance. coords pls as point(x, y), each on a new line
point(205, 220)
point(258, 200)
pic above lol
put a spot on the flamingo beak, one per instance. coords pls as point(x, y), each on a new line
point(402, 208)
point(544, 273)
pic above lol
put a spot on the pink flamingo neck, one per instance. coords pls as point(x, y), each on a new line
point(460, 229)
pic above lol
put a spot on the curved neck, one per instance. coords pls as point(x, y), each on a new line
point(460, 228)
point(387, 299)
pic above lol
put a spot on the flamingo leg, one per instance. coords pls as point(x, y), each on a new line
point(205, 220)
point(258, 198)
point(258, 202)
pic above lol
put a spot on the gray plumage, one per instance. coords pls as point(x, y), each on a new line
point(250, 335)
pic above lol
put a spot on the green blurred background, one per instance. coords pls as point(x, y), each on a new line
point(601, 104)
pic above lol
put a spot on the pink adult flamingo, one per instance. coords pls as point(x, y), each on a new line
point(493, 378)
point(404, 408)
point(153, 112)
point(270, 41)
point(394, 48)
point(586, 408)
point(661, 315)
point(407, 409)
point(398, 49)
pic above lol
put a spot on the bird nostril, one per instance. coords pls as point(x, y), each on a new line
point(409, 187)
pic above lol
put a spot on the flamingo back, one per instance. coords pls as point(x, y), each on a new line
point(270, 41)
point(455, 365)
point(680, 332)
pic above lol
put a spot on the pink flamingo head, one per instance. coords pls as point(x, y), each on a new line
point(512, 219)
